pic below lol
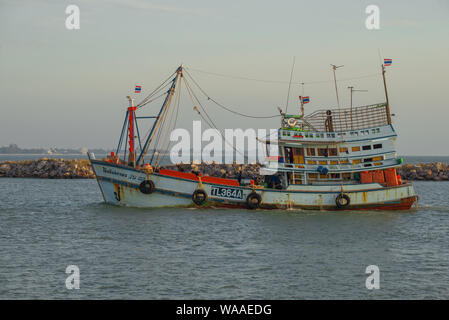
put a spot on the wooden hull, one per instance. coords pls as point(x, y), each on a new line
point(120, 186)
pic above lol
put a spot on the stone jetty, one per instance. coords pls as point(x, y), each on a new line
point(47, 168)
point(81, 169)
point(435, 171)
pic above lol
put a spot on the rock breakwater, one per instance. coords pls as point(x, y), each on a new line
point(81, 169)
point(47, 168)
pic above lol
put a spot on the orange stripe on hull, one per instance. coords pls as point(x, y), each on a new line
point(404, 204)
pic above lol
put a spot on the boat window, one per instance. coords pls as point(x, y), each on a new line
point(311, 151)
point(288, 155)
point(335, 175)
point(333, 152)
point(322, 152)
point(377, 146)
point(298, 151)
point(343, 150)
point(368, 147)
point(355, 149)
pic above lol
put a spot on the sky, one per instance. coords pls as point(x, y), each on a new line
point(68, 88)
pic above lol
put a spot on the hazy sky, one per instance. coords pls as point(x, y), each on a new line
point(67, 88)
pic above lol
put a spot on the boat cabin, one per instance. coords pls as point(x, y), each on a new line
point(343, 146)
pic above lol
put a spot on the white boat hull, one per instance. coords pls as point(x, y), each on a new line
point(120, 186)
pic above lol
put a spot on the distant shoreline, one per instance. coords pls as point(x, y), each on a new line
point(43, 154)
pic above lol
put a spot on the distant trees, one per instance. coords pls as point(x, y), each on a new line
point(15, 149)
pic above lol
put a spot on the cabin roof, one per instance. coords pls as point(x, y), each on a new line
point(344, 119)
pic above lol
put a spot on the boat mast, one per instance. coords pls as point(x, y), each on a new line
point(386, 95)
point(170, 93)
point(131, 119)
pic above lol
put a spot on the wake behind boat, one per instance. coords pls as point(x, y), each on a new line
point(330, 160)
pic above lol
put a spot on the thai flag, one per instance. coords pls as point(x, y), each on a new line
point(387, 62)
point(305, 100)
point(138, 89)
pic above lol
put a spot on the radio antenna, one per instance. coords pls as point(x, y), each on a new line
point(289, 85)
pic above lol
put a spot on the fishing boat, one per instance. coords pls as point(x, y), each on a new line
point(331, 159)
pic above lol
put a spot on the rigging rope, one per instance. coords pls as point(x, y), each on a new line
point(280, 81)
point(176, 108)
point(159, 88)
point(190, 91)
point(222, 106)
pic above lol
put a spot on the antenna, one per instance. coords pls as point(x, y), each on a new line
point(334, 67)
point(351, 89)
point(289, 84)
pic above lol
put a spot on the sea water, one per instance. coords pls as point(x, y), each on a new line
point(130, 253)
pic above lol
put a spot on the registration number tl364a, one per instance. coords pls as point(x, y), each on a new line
point(227, 192)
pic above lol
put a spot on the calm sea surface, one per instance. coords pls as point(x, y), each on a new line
point(46, 225)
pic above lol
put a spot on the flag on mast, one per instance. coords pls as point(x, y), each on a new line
point(305, 99)
point(387, 62)
point(138, 89)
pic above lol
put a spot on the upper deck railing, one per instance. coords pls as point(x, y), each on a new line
point(334, 120)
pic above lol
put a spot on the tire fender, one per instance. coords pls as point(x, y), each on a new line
point(253, 200)
point(342, 200)
point(199, 196)
point(147, 187)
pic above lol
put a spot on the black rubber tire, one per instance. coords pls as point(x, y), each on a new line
point(199, 196)
point(342, 201)
point(147, 187)
point(253, 200)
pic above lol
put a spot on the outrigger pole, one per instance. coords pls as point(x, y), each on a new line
point(166, 101)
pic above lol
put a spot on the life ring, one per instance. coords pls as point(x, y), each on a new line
point(253, 200)
point(292, 122)
point(199, 196)
point(342, 200)
point(147, 187)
